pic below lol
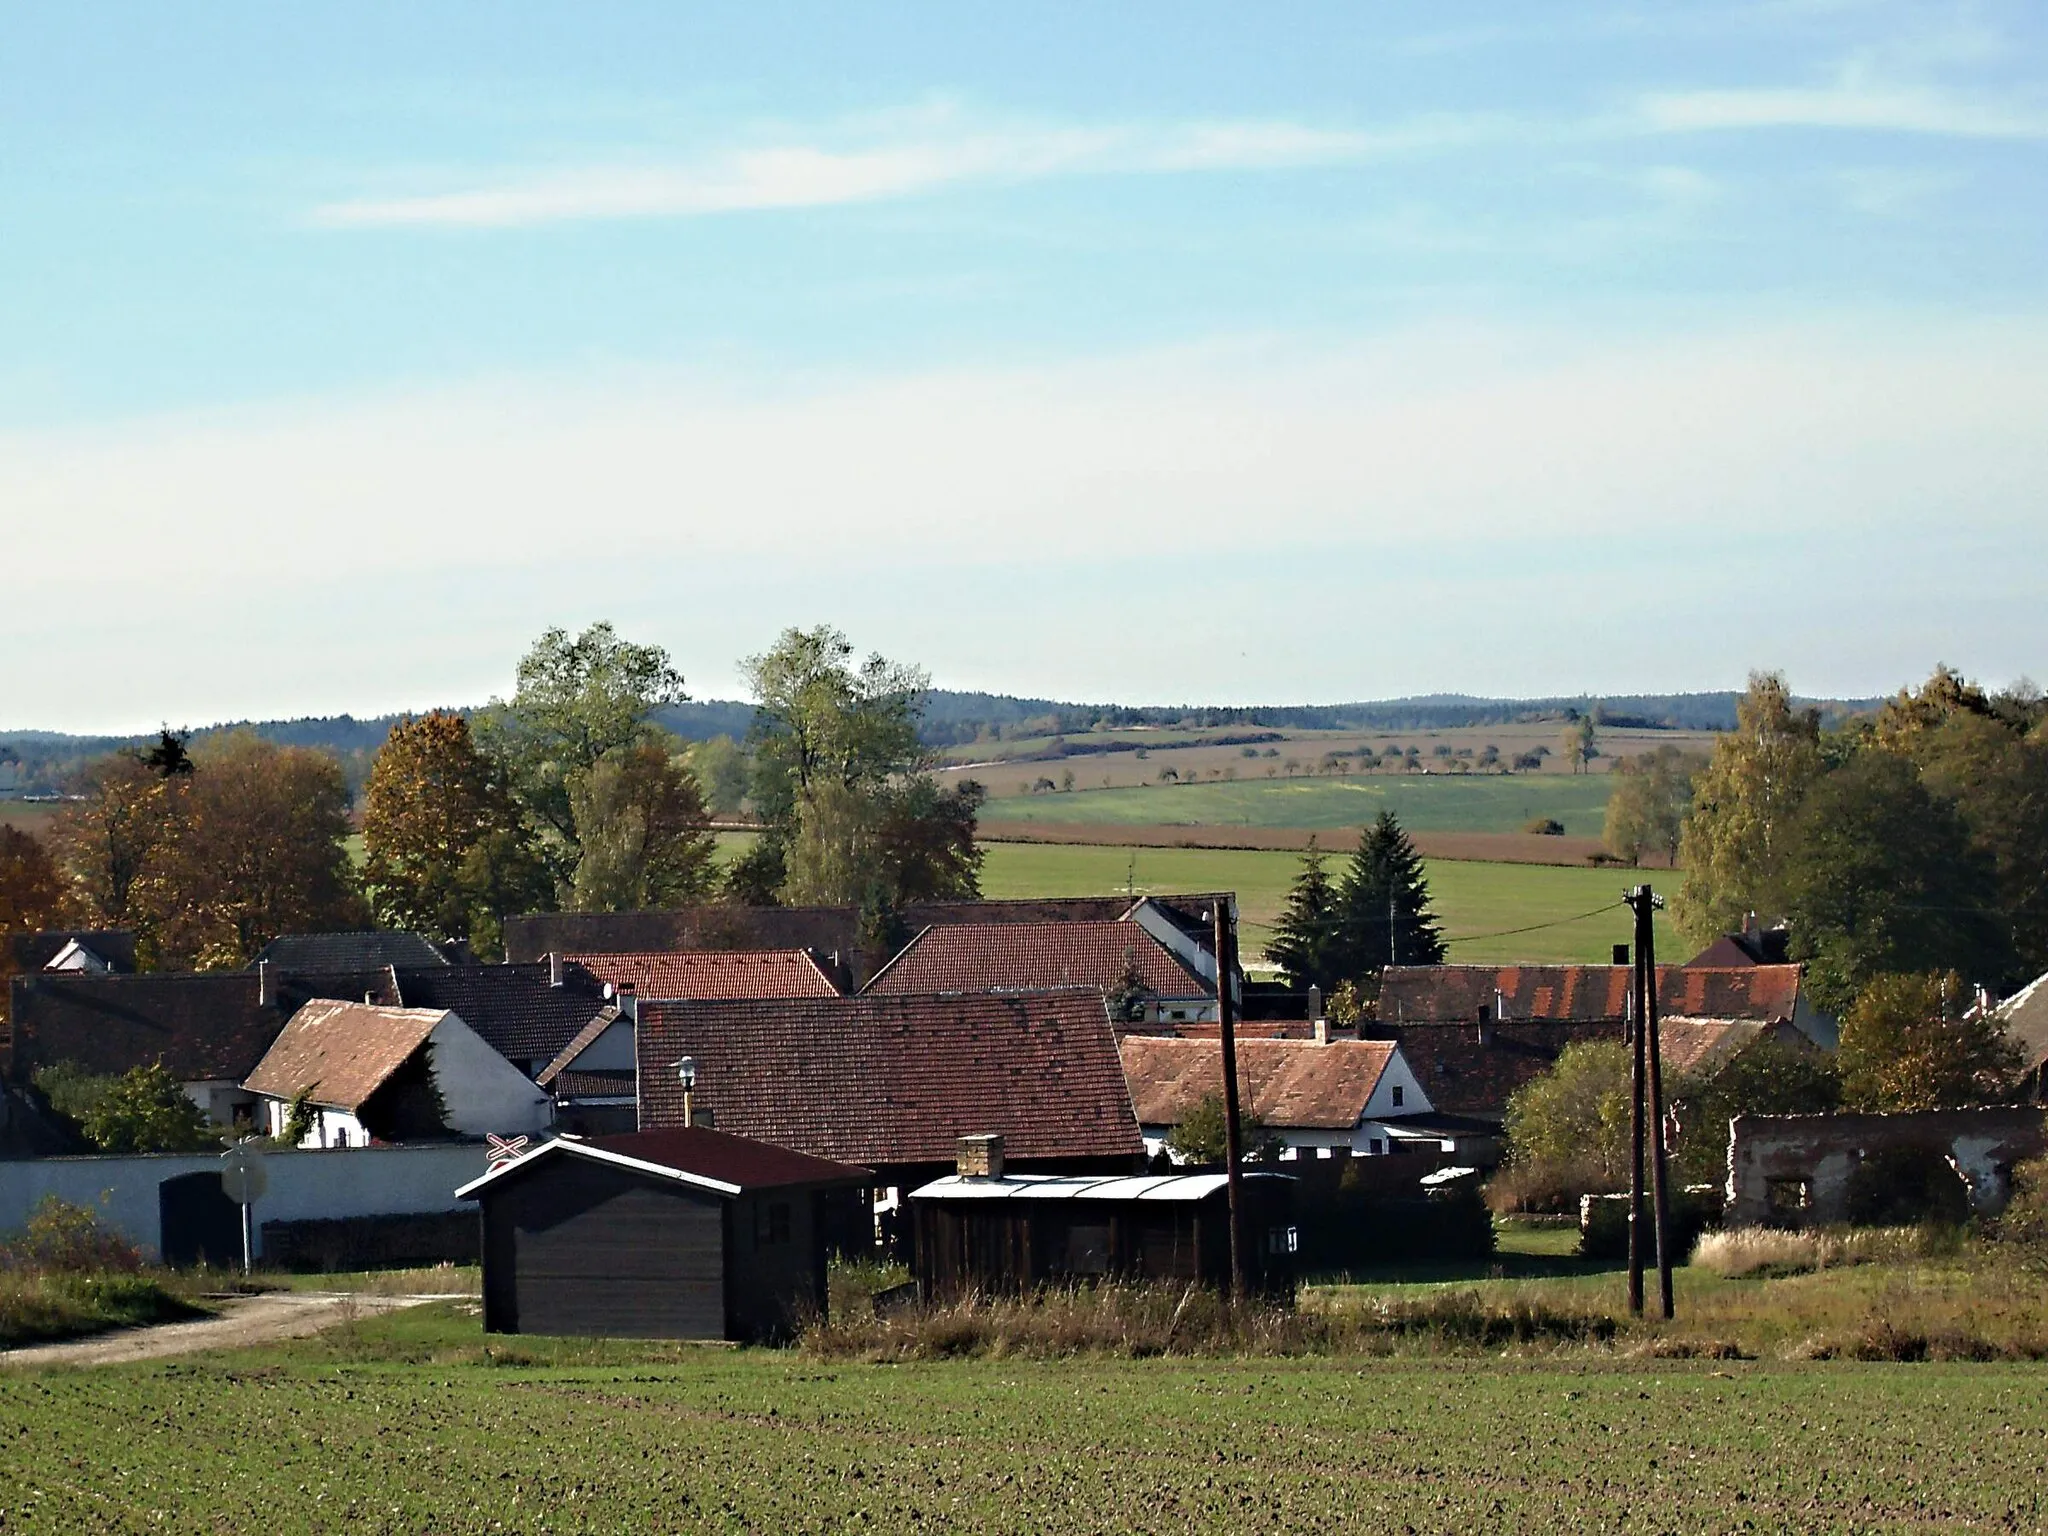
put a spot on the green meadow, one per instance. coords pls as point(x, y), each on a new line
point(1479, 906)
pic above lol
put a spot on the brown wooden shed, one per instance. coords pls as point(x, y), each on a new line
point(1001, 1235)
point(678, 1234)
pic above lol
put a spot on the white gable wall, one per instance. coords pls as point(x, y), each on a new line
point(612, 1051)
point(480, 1090)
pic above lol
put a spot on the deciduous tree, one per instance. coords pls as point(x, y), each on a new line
point(1912, 1042)
point(32, 894)
point(645, 841)
point(1647, 806)
point(1742, 805)
point(447, 853)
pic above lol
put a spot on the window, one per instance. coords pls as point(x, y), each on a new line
point(1789, 1199)
point(1377, 1146)
point(771, 1223)
point(1400, 1093)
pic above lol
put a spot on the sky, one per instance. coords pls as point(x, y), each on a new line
point(1143, 352)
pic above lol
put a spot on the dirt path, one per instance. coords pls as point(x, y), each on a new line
point(243, 1320)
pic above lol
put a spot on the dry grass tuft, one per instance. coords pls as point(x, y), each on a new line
point(1742, 1252)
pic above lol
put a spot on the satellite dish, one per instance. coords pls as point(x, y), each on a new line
point(243, 1178)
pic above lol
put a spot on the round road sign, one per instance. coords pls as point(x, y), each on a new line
point(242, 1175)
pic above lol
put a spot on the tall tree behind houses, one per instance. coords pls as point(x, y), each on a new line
point(1383, 905)
point(1305, 941)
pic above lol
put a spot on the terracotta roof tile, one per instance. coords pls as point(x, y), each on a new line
point(341, 1053)
point(896, 1080)
point(708, 973)
point(1443, 994)
point(1032, 957)
point(1289, 1084)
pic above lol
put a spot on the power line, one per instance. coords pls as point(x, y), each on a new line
point(1508, 933)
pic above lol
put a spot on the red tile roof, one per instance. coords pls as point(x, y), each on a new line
point(707, 973)
point(1035, 957)
point(338, 1054)
point(1442, 994)
point(895, 1080)
point(1289, 1084)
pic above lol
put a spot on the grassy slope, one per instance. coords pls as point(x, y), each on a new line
point(1424, 803)
point(407, 1423)
point(1470, 899)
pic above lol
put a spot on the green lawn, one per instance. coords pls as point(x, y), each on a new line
point(413, 1423)
point(1424, 803)
point(1476, 903)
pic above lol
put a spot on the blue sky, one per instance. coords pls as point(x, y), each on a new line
point(1151, 352)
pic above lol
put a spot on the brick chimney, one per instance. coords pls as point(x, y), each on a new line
point(266, 985)
point(979, 1157)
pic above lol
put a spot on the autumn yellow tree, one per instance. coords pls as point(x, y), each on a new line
point(446, 852)
point(1742, 806)
point(1911, 1042)
point(31, 885)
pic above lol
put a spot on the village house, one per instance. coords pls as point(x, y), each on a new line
point(891, 1083)
point(835, 932)
point(1315, 1098)
point(675, 1234)
point(1121, 960)
point(2024, 1018)
point(368, 1074)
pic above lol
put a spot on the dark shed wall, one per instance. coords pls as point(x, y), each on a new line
point(574, 1247)
point(777, 1262)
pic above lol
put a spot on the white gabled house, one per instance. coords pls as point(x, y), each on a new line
point(374, 1074)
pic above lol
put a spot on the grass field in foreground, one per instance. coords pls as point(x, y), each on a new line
point(1475, 903)
point(1423, 802)
point(407, 1423)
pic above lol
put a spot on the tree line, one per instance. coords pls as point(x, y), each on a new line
point(565, 796)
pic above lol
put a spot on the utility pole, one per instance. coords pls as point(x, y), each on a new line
point(1648, 1073)
point(1637, 1064)
point(1226, 1015)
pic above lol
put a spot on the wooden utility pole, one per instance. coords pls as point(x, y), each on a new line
point(1637, 1064)
point(1226, 1015)
point(1660, 1197)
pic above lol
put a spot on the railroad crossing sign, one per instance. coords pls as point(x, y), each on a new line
point(242, 1175)
point(503, 1149)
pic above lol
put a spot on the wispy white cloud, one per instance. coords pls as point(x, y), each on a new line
point(812, 175)
point(1850, 104)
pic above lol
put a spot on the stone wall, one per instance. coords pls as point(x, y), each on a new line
point(1789, 1169)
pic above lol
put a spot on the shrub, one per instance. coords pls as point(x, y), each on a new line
point(2022, 1229)
point(62, 1238)
point(1544, 826)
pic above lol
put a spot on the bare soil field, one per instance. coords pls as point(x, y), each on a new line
point(1488, 847)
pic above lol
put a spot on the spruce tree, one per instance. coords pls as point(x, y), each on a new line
point(1304, 941)
point(1384, 885)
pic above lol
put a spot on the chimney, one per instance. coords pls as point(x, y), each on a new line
point(266, 985)
point(1500, 1005)
point(1621, 954)
point(979, 1157)
point(1322, 1031)
point(1486, 1024)
point(554, 968)
point(629, 1000)
point(1315, 1001)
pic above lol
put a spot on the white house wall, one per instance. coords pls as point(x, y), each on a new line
point(303, 1186)
point(1397, 1074)
point(612, 1051)
point(481, 1092)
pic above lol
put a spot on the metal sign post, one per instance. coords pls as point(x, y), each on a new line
point(243, 1179)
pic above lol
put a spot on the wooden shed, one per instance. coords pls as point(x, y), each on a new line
point(679, 1234)
point(1005, 1235)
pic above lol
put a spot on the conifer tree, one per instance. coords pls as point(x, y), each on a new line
point(1383, 905)
point(1304, 942)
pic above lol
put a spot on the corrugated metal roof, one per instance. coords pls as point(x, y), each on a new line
point(1028, 1186)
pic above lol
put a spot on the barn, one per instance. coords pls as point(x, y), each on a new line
point(676, 1234)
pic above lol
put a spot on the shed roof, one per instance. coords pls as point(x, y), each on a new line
point(1438, 994)
point(894, 1080)
point(1289, 1084)
point(712, 973)
point(1176, 1187)
point(713, 1160)
point(338, 1054)
point(1036, 957)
